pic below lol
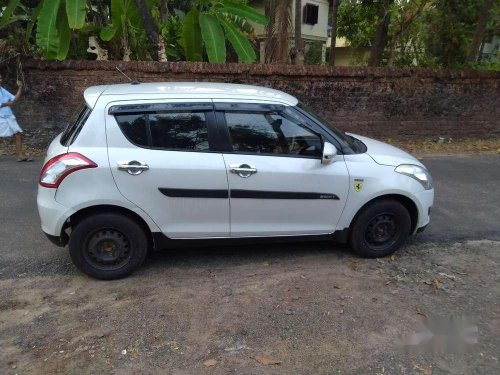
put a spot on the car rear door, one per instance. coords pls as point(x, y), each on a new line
point(162, 159)
point(277, 183)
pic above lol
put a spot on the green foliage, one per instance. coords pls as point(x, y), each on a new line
point(313, 54)
point(213, 38)
point(192, 36)
point(76, 11)
point(53, 34)
point(241, 44)
point(428, 33)
point(47, 37)
point(217, 22)
point(171, 32)
point(357, 22)
point(7, 15)
point(450, 26)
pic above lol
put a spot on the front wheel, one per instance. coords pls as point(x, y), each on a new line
point(108, 246)
point(380, 229)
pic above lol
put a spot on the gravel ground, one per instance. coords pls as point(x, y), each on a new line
point(301, 309)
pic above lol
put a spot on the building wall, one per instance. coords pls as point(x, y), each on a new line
point(349, 56)
point(313, 32)
point(378, 102)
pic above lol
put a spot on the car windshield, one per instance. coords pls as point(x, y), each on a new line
point(348, 142)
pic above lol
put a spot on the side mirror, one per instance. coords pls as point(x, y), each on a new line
point(329, 153)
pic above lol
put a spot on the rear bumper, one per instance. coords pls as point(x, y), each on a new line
point(52, 214)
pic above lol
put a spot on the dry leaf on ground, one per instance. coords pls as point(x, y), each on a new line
point(266, 360)
point(210, 362)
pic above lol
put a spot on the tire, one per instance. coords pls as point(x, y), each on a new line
point(380, 229)
point(108, 246)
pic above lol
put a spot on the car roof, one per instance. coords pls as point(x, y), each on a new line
point(183, 90)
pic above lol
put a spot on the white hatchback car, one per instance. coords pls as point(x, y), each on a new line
point(144, 166)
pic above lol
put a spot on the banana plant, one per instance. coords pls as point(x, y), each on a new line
point(126, 26)
point(210, 24)
point(55, 22)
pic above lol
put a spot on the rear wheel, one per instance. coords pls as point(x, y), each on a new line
point(380, 229)
point(108, 245)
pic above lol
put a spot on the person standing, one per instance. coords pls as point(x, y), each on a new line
point(8, 123)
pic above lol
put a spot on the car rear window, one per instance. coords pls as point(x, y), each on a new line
point(75, 125)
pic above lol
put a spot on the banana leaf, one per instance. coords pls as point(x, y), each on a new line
point(240, 43)
point(213, 37)
point(46, 34)
point(7, 13)
point(64, 34)
point(76, 11)
point(191, 34)
point(244, 12)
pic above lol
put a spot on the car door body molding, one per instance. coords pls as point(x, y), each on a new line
point(244, 194)
point(261, 194)
point(194, 193)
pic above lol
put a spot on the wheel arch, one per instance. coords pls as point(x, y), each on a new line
point(109, 208)
point(407, 202)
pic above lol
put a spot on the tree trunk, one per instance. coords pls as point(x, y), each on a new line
point(149, 26)
point(164, 10)
point(479, 34)
point(299, 43)
point(277, 45)
point(333, 36)
point(381, 33)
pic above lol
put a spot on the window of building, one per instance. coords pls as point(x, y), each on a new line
point(310, 14)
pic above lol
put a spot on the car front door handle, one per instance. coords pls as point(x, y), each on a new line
point(242, 170)
point(133, 167)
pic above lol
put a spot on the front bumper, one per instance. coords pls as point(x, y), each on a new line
point(424, 201)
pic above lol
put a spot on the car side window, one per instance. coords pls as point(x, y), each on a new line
point(179, 130)
point(134, 126)
point(271, 132)
point(166, 130)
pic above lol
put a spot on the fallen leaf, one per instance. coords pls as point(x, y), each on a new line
point(437, 284)
point(266, 360)
point(423, 370)
point(210, 362)
point(419, 312)
point(451, 277)
point(393, 257)
point(337, 287)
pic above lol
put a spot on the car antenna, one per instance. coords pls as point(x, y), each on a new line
point(126, 76)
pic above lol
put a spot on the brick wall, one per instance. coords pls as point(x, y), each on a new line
point(379, 102)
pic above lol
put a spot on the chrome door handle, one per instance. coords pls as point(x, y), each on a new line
point(133, 167)
point(242, 170)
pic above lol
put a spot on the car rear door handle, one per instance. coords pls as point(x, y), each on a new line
point(133, 167)
point(242, 170)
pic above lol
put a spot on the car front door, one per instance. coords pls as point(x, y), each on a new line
point(163, 160)
point(277, 183)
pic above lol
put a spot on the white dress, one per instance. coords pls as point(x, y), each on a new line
point(8, 122)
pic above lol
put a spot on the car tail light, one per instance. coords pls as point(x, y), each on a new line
point(57, 168)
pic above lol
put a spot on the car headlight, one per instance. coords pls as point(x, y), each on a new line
point(418, 173)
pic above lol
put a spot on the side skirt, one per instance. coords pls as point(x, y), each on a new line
point(162, 242)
